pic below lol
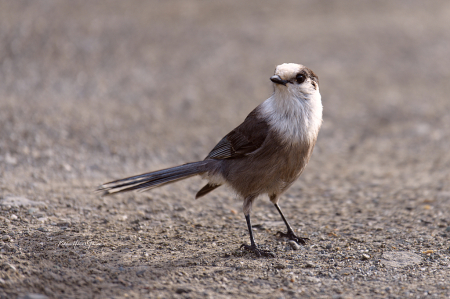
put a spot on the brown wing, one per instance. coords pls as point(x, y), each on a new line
point(246, 138)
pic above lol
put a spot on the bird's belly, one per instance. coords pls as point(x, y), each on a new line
point(270, 171)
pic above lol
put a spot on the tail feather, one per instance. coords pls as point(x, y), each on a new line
point(206, 189)
point(154, 179)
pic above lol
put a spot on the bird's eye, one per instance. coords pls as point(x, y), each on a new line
point(300, 78)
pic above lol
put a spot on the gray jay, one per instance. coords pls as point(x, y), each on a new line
point(263, 155)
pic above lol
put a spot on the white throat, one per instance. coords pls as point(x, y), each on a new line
point(296, 117)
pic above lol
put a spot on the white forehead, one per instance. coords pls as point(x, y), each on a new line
point(288, 70)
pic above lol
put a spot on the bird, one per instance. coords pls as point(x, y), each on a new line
point(265, 154)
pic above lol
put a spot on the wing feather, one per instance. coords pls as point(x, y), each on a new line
point(243, 140)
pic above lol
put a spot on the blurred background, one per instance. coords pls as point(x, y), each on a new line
point(106, 89)
point(92, 91)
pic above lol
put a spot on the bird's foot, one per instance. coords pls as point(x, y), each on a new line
point(291, 236)
point(257, 251)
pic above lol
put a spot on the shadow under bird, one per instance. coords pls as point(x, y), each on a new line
point(263, 155)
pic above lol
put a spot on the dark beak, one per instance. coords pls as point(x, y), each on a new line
point(276, 79)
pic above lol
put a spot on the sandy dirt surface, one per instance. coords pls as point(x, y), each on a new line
point(95, 91)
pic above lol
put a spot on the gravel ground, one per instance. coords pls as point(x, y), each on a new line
point(94, 91)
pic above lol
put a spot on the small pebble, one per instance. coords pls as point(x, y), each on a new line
point(63, 224)
point(294, 245)
point(7, 267)
point(140, 273)
point(310, 265)
point(34, 296)
point(13, 217)
point(7, 248)
point(6, 238)
point(365, 257)
point(183, 290)
point(32, 210)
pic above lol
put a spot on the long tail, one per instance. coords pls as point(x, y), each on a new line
point(154, 179)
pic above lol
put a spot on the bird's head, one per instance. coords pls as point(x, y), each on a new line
point(295, 79)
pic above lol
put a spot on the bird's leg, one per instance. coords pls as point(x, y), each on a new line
point(253, 248)
point(290, 232)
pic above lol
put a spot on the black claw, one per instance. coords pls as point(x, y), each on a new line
point(291, 236)
point(258, 252)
